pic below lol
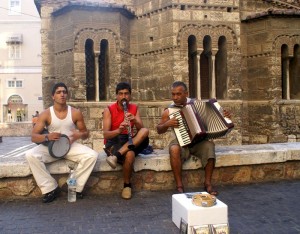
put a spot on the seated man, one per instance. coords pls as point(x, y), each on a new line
point(204, 149)
point(60, 119)
point(121, 145)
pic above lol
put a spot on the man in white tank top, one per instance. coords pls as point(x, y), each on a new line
point(60, 119)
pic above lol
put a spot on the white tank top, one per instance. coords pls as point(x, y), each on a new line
point(64, 126)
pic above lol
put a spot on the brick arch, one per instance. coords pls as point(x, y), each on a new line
point(97, 35)
point(289, 40)
point(200, 31)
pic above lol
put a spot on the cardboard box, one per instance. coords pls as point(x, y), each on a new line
point(183, 208)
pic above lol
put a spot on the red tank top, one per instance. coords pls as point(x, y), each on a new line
point(117, 115)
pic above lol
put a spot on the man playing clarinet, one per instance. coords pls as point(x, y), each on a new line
point(121, 144)
point(204, 149)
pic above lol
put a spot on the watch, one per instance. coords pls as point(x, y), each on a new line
point(46, 138)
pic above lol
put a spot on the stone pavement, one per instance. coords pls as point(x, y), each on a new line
point(15, 145)
point(257, 208)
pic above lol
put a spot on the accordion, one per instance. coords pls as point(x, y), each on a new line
point(199, 120)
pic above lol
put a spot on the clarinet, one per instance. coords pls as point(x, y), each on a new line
point(130, 143)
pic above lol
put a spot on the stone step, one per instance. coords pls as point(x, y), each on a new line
point(234, 164)
point(14, 163)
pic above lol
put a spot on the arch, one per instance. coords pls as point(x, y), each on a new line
point(221, 68)
point(205, 67)
point(103, 69)
point(193, 66)
point(14, 99)
point(97, 35)
point(289, 40)
point(15, 108)
point(90, 76)
point(285, 49)
point(284, 71)
point(295, 73)
point(200, 31)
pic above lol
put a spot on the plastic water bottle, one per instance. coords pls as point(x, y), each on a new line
point(71, 187)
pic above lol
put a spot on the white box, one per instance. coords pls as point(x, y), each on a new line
point(183, 208)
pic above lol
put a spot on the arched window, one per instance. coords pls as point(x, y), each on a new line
point(206, 68)
point(90, 70)
point(15, 100)
point(103, 70)
point(193, 66)
point(285, 72)
point(295, 74)
point(221, 69)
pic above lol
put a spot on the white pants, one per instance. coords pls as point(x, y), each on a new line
point(81, 154)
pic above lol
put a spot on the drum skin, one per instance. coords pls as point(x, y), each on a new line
point(59, 148)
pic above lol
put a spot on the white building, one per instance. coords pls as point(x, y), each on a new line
point(20, 60)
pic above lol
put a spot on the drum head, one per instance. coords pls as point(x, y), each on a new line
point(59, 148)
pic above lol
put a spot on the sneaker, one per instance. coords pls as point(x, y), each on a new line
point(49, 197)
point(112, 161)
point(126, 193)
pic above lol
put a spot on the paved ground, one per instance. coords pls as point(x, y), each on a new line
point(255, 208)
point(13, 146)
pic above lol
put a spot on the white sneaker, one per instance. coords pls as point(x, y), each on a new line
point(112, 161)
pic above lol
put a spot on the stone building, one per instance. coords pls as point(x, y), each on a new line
point(245, 53)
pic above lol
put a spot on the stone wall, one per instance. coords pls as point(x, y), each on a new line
point(112, 182)
point(16, 129)
point(148, 47)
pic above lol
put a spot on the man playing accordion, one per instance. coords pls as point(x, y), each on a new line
point(204, 149)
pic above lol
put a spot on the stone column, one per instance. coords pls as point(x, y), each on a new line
point(97, 54)
point(287, 72)
point(212, 91)
point(198, 95)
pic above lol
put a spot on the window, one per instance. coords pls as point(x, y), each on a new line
point(14, 7)
point(15, 83)
point(11, 83)
point(19, 83)
point(14, 51)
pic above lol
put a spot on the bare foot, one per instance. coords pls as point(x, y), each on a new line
point(209, 189)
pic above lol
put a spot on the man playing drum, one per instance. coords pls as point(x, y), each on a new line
point(60, 119)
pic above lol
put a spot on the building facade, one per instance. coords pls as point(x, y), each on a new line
point(244, 53)
point(20, 61)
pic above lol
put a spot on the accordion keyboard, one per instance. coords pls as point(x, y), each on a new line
point(182, 130)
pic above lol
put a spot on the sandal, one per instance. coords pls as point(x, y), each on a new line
point(179, 189)
point(209, 189)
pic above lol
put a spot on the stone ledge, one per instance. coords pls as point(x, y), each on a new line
point(159, 161)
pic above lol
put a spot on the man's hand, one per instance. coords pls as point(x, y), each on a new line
point(54, 136)
point(226, 114)
point(129, 117)
point(172, 123)
point(123, 126)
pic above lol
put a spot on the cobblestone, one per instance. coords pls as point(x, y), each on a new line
point(252, 208)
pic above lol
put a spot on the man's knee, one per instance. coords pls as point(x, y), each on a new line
point(174, 151)
point(94, 154)
point(129, 157)
point(29, 156)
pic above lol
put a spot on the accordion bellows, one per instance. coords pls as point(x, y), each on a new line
point(199, 120)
